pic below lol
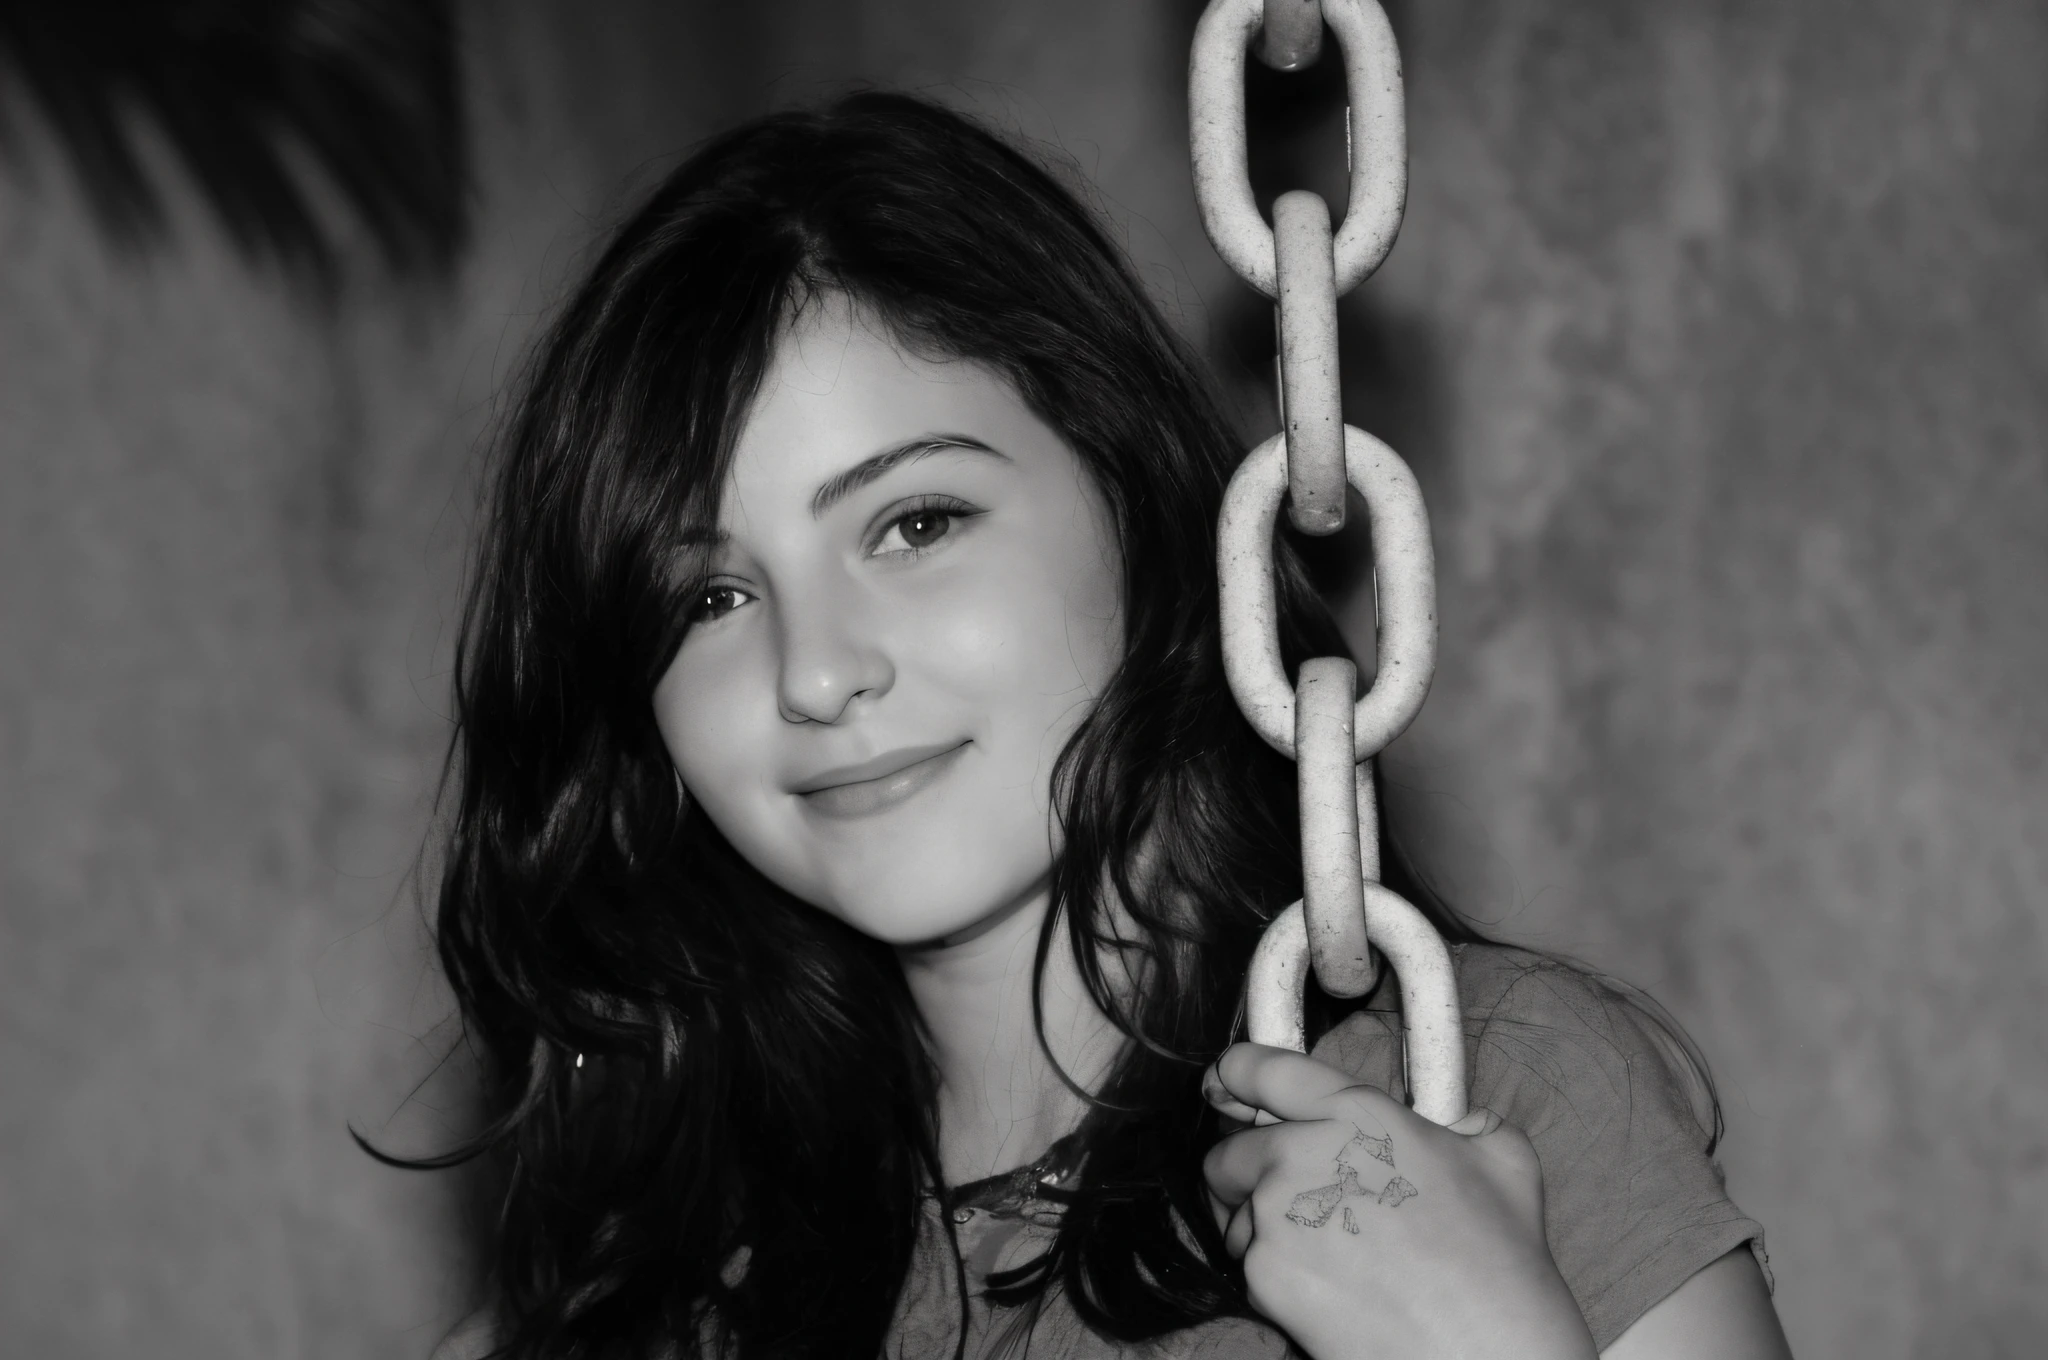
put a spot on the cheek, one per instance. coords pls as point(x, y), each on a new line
point(1069, 616)
point(714, 720)
point(683, 702)
point(1011, 653)
point(1030, 648)
point(1095, 617)
point(1018, 647)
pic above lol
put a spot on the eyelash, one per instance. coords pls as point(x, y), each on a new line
point(697, 611)
point(949, 506)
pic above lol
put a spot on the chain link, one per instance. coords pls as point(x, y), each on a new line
point(1291, 34)
point(1311, 394)
point(1378, 138)
point(1320, 721)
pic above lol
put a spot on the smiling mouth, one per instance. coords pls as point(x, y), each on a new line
point(860, 796)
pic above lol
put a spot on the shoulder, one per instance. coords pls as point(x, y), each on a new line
point(1553, 1043)
point(1622, 1117)
point(1545, 1041)
point(1615, 1103)
point(1503, 982)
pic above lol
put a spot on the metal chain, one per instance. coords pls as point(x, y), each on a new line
point(1345, 912)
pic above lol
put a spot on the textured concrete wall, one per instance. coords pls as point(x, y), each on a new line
point(1734, 324)
point(1717, 334)
point(229, 528)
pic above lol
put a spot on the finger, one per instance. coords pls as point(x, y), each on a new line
point(1219, 1211)
point(1219, 1098)
point(1236, 1164)
point(1287, 1084)
point(1513, 1160)
point(1477, 1123)
point(1237, 1238)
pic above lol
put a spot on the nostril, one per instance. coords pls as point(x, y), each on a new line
point(819, 688)
point(823, 698)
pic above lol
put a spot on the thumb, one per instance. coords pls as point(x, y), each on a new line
point(1224, 1103)
point(1477, 1123)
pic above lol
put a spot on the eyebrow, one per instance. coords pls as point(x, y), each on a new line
point(860, 474)
point(875, 465)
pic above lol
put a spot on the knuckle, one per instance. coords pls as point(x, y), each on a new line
point(1271, 1200)
point(1239, 1232)
point(1236, 1066)
point(1216, 1161)
point(1289, 1145)
point(1273, 1281)
point(1259, 1276)
point(1367, 1100)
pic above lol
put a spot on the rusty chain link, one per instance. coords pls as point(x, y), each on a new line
point(1331, 732)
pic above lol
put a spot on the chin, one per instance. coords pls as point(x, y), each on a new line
point(906, 883)
point(909, 925)
point(920, 919)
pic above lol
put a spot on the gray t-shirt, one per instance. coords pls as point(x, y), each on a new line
point(1633, 1201)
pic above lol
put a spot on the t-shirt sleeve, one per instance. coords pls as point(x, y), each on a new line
point(1633, 1201)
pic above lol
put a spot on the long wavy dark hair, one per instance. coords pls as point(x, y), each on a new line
point(687, 1067)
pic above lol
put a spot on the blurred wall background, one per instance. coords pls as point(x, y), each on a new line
point(1717, 332)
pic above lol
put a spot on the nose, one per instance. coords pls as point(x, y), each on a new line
point(829, 659)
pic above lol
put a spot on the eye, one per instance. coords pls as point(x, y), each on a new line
point(714, 602)
point(919, 527)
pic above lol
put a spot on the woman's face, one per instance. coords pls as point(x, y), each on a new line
point(915, 602)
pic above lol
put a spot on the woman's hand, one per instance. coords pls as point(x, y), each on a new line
point(1367, 1230)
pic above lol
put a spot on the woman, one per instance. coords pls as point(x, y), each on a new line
point(858, 851)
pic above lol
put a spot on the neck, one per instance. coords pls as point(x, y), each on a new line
point(1001, 1099)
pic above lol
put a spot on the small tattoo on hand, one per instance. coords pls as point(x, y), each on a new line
point(1314, 1208)
point(1380, 1148)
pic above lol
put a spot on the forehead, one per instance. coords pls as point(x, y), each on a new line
point(841, 387)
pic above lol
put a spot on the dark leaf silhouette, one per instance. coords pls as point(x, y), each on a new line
point(244, 91)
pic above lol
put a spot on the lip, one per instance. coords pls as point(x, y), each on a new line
point(877, 783)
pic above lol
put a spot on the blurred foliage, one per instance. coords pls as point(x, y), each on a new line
point(246, 93)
